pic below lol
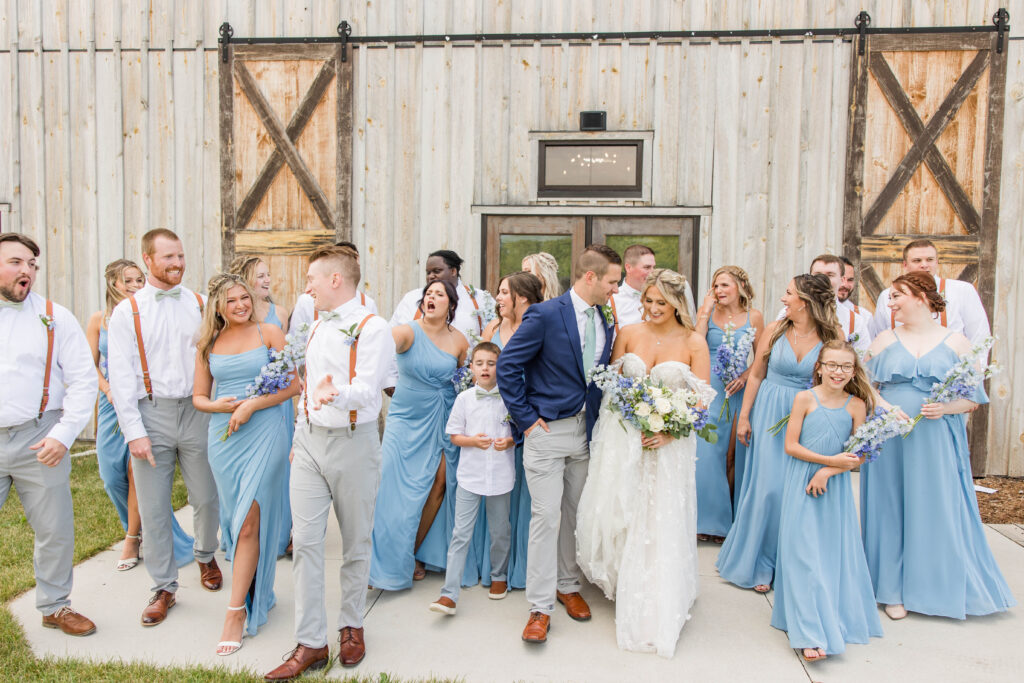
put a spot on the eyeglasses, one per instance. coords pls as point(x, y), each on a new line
point(836, 367)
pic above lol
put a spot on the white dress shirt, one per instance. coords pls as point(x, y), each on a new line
point(487, 472)
point(964, 311)
point(303, 313)
point(169, 333)
point(73, 382)
point(469, 319)
point(580, 307)
point(328, 354)
point(629, 309)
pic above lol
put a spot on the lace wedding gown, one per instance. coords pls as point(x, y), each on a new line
point(637, 521)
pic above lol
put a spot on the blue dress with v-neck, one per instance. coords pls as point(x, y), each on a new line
point(923, 536)
point(748, 555)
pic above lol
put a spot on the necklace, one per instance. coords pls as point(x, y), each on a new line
point(801, 336)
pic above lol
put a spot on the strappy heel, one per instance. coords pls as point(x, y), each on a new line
point(127, 563)
point(234, 645)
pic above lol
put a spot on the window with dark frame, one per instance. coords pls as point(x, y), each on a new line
point(590, 168)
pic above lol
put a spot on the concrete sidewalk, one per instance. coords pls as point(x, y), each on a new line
point(727, 638)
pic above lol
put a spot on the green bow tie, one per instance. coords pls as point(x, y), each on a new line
point(483, 392)
point(169, 294)
point(16, 305)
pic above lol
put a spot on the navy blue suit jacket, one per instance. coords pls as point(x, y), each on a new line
point(540, 371)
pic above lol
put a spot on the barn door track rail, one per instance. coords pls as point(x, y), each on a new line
point(860, 30)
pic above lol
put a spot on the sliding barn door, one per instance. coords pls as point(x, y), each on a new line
point(286, 151)
point(923, 161)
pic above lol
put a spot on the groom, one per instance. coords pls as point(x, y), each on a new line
point(542, 376)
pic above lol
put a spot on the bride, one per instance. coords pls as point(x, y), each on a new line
point(637, 519)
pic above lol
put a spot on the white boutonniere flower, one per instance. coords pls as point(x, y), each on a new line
point(47, 321)
point(609, 315)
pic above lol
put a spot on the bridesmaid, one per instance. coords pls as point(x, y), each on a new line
point(726, 305)
point(823, 595)
point(417, 456)
point(544, 266)
point(516, 293)
point(256, 273)
point(248, 445)
point(783, 366)
point(123, 277)
point(922, 531)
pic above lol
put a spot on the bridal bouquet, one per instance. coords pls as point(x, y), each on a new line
point(276, 375)
point(963, 379)
point(731, 360)
point(652, 407)
point(866, 442)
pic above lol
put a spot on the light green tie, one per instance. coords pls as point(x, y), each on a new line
point(169, 294)
point(589, 341)
point(16, 305)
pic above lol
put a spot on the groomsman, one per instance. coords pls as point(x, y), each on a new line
point(638, 261)
point(964, 311)
point(152, 342)
point(304, 312)
point(48, 393)
point(847, 288)
point(336, 459)
point(542, 374)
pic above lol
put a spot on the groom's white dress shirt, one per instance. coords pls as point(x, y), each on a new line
point(580, 307)
point(169, 335)
point(73, 381)
point(328, 354)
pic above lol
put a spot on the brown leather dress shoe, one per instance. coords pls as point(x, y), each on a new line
point(575, 606)
point(69, 621)
point(299, 659)
point(210, 576)
point(351, 648)
point(536, 630)
point(156, 610)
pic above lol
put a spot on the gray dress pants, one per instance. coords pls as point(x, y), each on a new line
point(178, 433)
point(337, 468)
point(45, 493)
point(556, 464)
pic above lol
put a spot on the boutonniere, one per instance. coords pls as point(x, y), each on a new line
point(609, 316)
point(351, 334)
point(472, 291)
point(507, 420)
point(47, 321)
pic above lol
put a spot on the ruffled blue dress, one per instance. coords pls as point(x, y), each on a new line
point(748, 555)
point(923, 536)
point(251, 466)
point(714, 502)
point(414, 443)
point(112, 457)
point(823, 594)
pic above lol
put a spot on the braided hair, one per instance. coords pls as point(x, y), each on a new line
point(817, 293)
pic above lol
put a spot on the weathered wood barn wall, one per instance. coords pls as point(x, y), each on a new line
point(110, 127)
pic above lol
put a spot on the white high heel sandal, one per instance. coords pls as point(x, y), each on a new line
point(127, 563)
point(235, 645)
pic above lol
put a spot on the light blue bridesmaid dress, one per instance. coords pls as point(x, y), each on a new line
point(923, 536)
point(272, 318)
point(823, 594)
point(411, 450)
point(748, 555)
point(251, 466)
point(520, 502)
point(286, 520)
point(112, 456)
point(714, 502)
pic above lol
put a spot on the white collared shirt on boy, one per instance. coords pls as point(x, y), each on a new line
point(487, 472)
point(964, 311)
point(328, 354)
point(629, 308)
point(170, 324)
point(304, 311)
point(73, 382)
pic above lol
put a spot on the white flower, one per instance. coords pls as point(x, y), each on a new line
point(663, 405)
point(642, 409)
point(656, 422)
point(680, 401)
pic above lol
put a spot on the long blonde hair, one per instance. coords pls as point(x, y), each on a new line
point(672, 286)
point(815, 291)
point(746, 292)
point(113, 273)
point(246, 267)
point(859, 384)
point(213, 320)
point(545, 267)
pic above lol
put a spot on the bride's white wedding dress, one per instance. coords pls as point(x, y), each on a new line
point(637, 521)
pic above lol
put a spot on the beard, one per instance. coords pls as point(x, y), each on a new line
point(11, 294)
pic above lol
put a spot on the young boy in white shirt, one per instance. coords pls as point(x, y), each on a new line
point(479, 425)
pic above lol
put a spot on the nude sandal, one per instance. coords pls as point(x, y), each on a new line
point(127, 563)
point(235, 645)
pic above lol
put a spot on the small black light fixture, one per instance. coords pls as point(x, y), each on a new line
point(593, 120)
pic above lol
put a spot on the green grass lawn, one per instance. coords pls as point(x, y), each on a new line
point(96, 528)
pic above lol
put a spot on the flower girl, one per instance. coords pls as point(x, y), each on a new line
point(823, 593)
